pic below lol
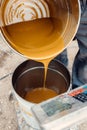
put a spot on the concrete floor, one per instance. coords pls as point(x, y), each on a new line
point(10, 116)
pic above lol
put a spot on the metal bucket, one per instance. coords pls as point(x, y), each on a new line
point(30, 75)
point(66, 12)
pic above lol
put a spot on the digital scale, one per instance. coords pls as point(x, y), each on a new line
point(63, 111)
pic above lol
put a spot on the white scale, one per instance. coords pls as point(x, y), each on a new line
point(63, 111)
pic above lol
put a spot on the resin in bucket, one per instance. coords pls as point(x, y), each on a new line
point(39, 29)
point(29, 76)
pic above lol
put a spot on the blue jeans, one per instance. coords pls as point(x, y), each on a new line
point(62, 57)
point(79, 70)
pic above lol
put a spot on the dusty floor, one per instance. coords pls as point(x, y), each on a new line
point(10, 116)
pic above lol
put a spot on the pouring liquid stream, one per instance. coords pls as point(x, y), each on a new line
point(21, 38)
point(37, 39)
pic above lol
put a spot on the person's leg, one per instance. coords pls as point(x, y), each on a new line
point(79, 71)
point(62, 57)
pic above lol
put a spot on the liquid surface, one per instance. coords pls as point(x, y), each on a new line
point(39, 95)
point(35, 39)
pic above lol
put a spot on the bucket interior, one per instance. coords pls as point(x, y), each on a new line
point(58, 78)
